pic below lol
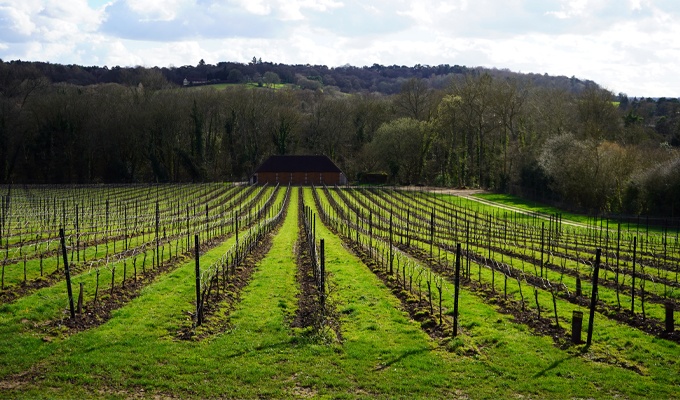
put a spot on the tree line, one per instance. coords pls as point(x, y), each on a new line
point(385, 79)
point(585, 149)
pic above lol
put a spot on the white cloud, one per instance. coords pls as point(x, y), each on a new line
point(17, 20)
point(158, 10)
point(627, 46)
point(428, 11)
point(292, 10)
point(119, 54)
point(287, 10)
point(570, 8)
point(258, 7)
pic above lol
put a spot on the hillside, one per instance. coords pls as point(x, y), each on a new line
point(349, 79)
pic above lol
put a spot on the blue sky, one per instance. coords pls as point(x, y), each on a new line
point(628, 46)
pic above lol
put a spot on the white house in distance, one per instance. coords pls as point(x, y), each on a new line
point(193, 80)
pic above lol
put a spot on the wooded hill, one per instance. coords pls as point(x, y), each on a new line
point(348, 79)
point(553, 138)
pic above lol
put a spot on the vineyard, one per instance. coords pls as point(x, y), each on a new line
point(223, 290)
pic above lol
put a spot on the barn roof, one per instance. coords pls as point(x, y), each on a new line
point(298, 164)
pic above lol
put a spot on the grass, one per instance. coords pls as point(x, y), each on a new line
point(532, 206)
point(535, 207)
point(516, 362)
point(383, 354)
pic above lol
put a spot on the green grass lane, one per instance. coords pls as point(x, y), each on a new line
point(531, 206)
point(385, 352)
point(535, 207)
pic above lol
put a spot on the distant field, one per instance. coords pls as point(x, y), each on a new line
point(673, 230)
point(222, 86)
point(379, 324)
point(532, 206)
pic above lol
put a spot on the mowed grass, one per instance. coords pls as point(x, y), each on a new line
point(509, 360)
point(383, 353)
point(535, 207)
point(499, 200)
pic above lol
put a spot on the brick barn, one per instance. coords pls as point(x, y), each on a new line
point(299, 170)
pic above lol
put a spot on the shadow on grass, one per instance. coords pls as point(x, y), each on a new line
point(552, 366)
point(401, 357)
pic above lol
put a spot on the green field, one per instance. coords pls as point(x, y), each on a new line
point(380, 336)
point(250, 85)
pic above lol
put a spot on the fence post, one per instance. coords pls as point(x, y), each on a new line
point(390, 254)
point(80, 299)
point(632, 286)
point(199, 318)
point(576, 326)
point(669, 318)
point(68, 274)
point(157, 228)
point(593, 297)
point(542, 245)
point(322, 277)
point(431, 231)
point(456, 291)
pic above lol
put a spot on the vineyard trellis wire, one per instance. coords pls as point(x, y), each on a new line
point(220, 271)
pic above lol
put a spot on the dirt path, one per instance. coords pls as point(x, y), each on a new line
point(469, 195)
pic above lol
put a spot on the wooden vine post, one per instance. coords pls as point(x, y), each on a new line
point(632, 286)
point(199, 317)
point(68, 274)
point(593, 297)
point(618, 250)
point(431, 231)
point(370, 232)
point(390, 255)
point(542, 245)
point(670, 323)
point(408, 227)
point(322, 278)
point(157, 223)
point(456, 291)
point(77, 235)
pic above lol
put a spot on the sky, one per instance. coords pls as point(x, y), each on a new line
point(627, 46)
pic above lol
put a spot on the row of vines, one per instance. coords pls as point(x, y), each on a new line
point(537, 269)
point(424, 247)
point(119, 238)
